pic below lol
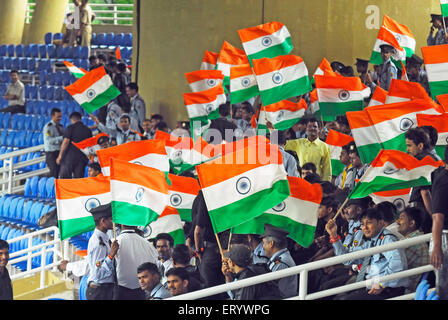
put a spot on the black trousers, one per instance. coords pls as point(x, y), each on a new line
point(362, 294)
point(50, 159)
point(72, 168)
point(102, 292)
point(123, 293)
point(210, 270)
point(14, 109)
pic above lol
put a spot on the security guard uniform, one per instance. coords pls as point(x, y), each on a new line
point(101, 277)
point(422, 78)
point(440, 37)
point(382, 264)
point(280, 260)
point(53, 135)
point(138, 109)
point(120, 135)
point(259, 256)
point(159, 292)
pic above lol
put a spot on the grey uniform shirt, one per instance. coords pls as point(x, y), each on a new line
point(282, 260)
point(437, 39)
point(16, 89)
point(138, 109)
point(53, 136)
point(387, 72)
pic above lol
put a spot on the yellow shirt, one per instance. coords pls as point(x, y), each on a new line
point(317, 152)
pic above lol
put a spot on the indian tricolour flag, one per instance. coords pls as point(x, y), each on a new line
point(395, 170)
point(90, 146)
point(77, 72)
point(365, 135)
point(139, 194)
point(444, 6)
point(392, 121)
point(440, 123)
point(283, 115)
point(325, 69)
point(268, 40)
point(209, 60)
point(242, 185)
point(204, 79)
point(402, 90)
point(314, 104)
point(379, 97)
point(94, 90)
point(204, 105)
point(281, 78)
point(387, 37)
point(182, 192)
point(148, 153)
point(243, 84)
point(298, 214)
point(336, 141)
point(184, 153)
point(338, 95)
point(443, 100)
point(400, 198)
point(74, 200)
point(436, 65)
point(402, 34)
point(230, 56)
point(168, 222)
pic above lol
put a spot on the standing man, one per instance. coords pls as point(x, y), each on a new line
point(439, 243)
point(345, 179)
point(312, 149)
point(5, 280)
point(76, 25)
point(72, 161)
point(122, 132)
point(87, 17)
point(138, 107)
point(149, 278)
point(164, 245)
point(15, 94)
point(358, 168)
point(416, 73)
point(53, 135)
point(134, 250)
point(275, 247)
point(100, 256)
point(440, 37)
point(387, 70)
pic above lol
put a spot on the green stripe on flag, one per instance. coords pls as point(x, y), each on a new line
point(75, 227)
point(243, 95)
point(336, 167)
point(444, 7)
point(281, 49)
point(132, 215)
point(368, 153)
point(185, 214)
point(178, 236)
point(440, 150)
point(376, 58)
point(438, 88)
point(231, 215)
point(303, 234)
point(101, 100)
point(397, 143)
point(330, 110)
point(381, 183)
point(285, 91)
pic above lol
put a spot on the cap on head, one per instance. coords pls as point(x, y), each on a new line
point(415, 60)
point(337, 66)
point(103, 211)
point(362, 62)
point(272, 231)
point(239, 254)
point(352, 148)
point(436, 17)
point(386, 48)
point(362, 202)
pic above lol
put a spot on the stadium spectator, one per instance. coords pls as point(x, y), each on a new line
point(255, 243)
point(164, 244)
point(358, 168)
point(389, 214)
point(221, 129)
point(15, 94)
point(138, 107)
point(433, 136)
point(149, 279)
point(300, 129)
point(71, 159)
point(312, 149)
point(345, 180)
point(87, 16)
point(177, 281)
point(308, 168)
point(53, 134)
point(133, 251)
point(181, 259)
point(440, 37)
point(289, 162)
point(6, 292)
point(94, 170)
point(409, 224)
point(122, 132)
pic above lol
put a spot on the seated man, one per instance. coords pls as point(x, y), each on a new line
point(378, 265)
point(149, 279)
point(177, 281)
point(15, 94)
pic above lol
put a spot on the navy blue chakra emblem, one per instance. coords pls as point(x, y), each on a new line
point(175, 200)
point(266, 41)
point(139, 194)
point(243, 185)
point(280, 207)
point(277, 78)
point(92, 203)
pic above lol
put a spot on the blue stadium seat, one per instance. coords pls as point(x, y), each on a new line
point(42, 48)
point(50, 191)
point(12, 208)
point(36, 210)
point(58, 36)
point(76, 52)
point(6, 205)
point(8, 63)
point(20, 50)
point(43, 92)
point(41, 188)
point(19, 208)
point(93, 41)
point(52, 79)
point(128, 40)
point(34, 186)
point(84, 64)
point(101, 39)
point(3, 137)
point(34, 50)
point(32, 64)
point(43, 77)
point(10, 138)
point(5, 120)
point(27, 51)
point(110, 39)
point(15, 63)
point(20, 139)
point(3, 50)
point(51, 51)
point(119, 40)
point(48, 38)
point(24, 64)
point(59, 93)
point(68, 53)
point(59, 52)
point(11, 50)
point(26, 212)
point(35, 140)
point(2, 64)
point(58, 78)
point(84, 54)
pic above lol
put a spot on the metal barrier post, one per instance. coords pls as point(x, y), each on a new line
point(303, 285)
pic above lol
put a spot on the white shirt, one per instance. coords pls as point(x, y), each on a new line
point(393, 228)
point(133, 251)
point(167, 265)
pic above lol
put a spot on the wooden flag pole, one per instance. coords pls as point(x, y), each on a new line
point(230, 240)
point(115, 231)
point(219, 245)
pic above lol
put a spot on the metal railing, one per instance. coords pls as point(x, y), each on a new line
point(114, 13)
point(11, 177)
point(51, 243)
point(304, 269)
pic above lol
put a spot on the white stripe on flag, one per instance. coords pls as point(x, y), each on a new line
point(98, 88)
point(277, 38)
point(291, 73)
